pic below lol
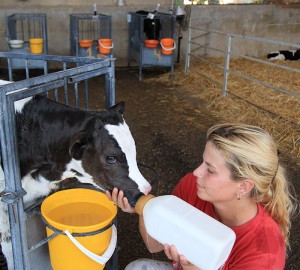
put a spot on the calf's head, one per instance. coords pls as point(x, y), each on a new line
point(106, 152)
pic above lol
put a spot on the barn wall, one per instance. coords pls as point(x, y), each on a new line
point(279, 23)
point(272, 22)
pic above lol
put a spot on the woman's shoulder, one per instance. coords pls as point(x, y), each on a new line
point(258, 242)
point(262, 223)
point(269, 228)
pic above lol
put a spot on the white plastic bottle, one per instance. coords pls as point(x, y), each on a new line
point(204, 241)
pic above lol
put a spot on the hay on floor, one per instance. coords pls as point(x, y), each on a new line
point(246, 101)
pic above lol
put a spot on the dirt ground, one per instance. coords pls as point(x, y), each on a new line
point(162, 118)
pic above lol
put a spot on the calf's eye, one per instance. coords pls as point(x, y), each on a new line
point(111, 159)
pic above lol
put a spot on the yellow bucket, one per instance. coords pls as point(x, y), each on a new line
point(36, 45)
point(88, 215)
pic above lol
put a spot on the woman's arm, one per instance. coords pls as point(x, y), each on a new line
point(152, 245)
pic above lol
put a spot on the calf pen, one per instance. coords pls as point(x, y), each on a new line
point(59, 76)
point(247, 88)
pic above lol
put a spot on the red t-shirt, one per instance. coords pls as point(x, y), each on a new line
point(259, 243)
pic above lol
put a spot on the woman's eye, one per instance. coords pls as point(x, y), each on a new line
point(209, 171)
point(111, 159)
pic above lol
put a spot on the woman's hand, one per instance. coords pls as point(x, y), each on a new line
point(118, 198)
point(172, 254)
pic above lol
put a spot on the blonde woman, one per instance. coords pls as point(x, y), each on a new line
point(242, 184)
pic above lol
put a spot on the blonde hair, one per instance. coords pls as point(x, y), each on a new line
point(250, 152)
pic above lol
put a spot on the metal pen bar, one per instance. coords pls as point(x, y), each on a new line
point(226, 64)
point(12, 179)
point(65, 85)
point(50, 77)
point(17, 95)
point(57, 58)
point(281, 90)
point(87, 75)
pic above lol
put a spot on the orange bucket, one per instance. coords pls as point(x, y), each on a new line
point(85, 43)
point(167, 45)
point(151, 43)
point(105, 45)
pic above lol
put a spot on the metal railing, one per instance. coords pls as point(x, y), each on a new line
point(57, 83)
point(199, 47)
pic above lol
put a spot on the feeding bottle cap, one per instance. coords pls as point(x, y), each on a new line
point(142, 202)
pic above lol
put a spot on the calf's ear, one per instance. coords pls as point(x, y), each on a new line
point(119, 107)
point(78, 145)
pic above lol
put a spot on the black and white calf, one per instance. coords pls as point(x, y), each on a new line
point(292, 55)
point(57, 142)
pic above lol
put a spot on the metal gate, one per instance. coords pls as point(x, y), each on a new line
point(75, 73)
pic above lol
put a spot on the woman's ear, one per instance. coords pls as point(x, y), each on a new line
point(245, 186)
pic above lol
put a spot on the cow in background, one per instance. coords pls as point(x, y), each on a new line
point(292, 55)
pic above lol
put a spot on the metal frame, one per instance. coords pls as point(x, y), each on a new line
point(84, 69)
point(148, 57)
point(87, 26)
point(197, 41)
point(25, 26)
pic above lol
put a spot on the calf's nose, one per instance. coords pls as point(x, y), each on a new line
point(147, 189)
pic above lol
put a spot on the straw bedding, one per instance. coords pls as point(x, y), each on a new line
point(249, 102)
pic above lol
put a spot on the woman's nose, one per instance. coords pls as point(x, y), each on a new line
point(197, 171)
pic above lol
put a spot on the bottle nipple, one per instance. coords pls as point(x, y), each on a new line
point(142, 201)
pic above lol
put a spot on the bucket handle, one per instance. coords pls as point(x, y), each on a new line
point(168, 49)
point(106, 47)
point(106, 255)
